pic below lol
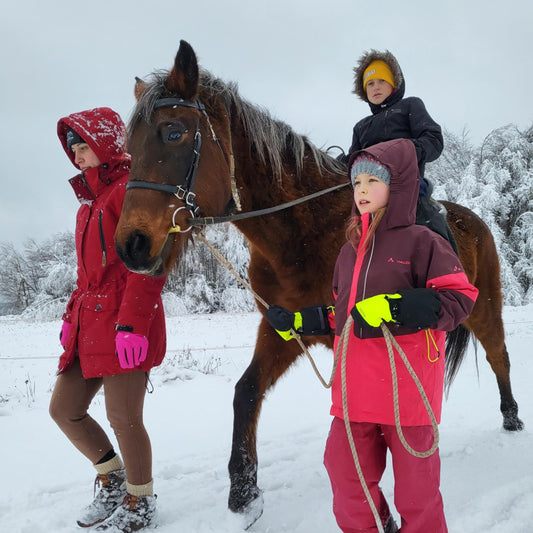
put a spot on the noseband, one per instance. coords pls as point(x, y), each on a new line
point(184, 192)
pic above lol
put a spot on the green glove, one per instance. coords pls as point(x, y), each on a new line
point(372, 311)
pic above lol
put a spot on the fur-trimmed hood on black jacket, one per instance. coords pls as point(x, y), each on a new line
point(396, 117)
point(392, 62)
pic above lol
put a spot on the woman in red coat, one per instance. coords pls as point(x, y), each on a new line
point(113, 330)
point(394, 271)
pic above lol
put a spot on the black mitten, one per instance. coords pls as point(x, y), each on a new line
point(417, 308)
point(280, 318)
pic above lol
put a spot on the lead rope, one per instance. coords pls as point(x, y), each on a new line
point(224, 262)
point(341, 352)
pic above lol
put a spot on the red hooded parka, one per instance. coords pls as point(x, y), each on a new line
point(402, 255)
point(107, 293)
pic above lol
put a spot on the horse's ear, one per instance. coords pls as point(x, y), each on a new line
point(140, 86)
point(183, 78)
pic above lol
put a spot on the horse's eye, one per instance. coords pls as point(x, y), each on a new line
point(172, 133)
point(173, 136)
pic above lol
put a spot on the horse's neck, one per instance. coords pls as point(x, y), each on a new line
point(292, 234)
point(293, 231)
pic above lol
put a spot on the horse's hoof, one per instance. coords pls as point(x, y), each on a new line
point(252, 512)
point(513, 423)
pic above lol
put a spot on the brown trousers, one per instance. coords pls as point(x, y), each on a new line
point(124, 400)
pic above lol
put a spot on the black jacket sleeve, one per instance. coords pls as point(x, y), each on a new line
point(356, 143)
point(426, 133)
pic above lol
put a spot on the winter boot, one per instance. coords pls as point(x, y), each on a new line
point(390, 526)
point(133, 514)
point(433, 215)
point(109, 497)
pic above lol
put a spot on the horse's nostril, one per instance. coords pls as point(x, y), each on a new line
point(138, 247)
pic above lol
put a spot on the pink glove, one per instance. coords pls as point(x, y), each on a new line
point(132, 349)
point(63, 336)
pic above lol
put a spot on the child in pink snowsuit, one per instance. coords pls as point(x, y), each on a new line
point(408, 276)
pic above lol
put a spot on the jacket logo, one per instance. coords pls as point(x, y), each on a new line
point(399, 261)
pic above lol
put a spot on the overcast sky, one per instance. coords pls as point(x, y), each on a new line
point(469, 60)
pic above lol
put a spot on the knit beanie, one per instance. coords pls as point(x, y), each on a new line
point(73, 138)
point(378, 70)
point(366, 164)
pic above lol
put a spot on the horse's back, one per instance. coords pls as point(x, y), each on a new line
point(479, 257)
point(475, 242)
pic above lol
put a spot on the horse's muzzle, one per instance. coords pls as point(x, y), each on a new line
point(135, 254)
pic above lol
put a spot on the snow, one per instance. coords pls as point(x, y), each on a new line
point(487, 474)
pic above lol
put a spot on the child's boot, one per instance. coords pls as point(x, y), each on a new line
point(390, 526)
point(433, 215)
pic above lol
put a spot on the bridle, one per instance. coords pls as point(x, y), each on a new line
point(186, 193)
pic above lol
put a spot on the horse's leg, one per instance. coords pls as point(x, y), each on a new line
point(272, 358)
point(479, 256)
point(490, 333)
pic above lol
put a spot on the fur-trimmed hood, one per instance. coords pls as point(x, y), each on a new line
point(392, 62)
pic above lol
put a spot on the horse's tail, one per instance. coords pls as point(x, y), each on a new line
point(456, 345)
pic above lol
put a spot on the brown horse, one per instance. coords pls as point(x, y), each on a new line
point(211, 150)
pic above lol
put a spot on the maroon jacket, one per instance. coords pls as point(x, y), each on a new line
point(107, 293)
point(402, 256)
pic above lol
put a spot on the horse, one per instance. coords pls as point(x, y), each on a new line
point(198, 147)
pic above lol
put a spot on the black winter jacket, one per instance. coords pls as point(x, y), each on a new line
point(397, 117)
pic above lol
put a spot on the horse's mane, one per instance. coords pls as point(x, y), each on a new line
point(273, 140)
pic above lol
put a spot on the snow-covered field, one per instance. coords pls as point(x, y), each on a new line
point(487, 474)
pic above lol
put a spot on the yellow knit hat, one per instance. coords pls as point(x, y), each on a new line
point(378, 70)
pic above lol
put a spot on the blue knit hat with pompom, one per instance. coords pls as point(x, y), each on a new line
point(366, 164)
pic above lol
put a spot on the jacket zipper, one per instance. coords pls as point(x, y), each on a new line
point(102, 238)
point(365, 277)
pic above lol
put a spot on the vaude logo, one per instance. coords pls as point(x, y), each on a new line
point(398, 261)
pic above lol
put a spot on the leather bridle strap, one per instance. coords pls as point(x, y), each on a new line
point(184, 192)
point(175, 102)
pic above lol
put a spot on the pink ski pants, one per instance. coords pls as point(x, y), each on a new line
point(416, 481)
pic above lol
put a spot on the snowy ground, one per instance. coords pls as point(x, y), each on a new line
point(487, 474)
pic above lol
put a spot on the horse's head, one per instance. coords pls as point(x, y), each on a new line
point(181, 166)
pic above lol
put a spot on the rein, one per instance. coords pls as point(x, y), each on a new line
point(208, 221)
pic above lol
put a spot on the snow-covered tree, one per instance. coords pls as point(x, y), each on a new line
point(39, 279)
point(496, 182)
point(201, 284)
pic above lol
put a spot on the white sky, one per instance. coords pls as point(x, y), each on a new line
point(468, 60)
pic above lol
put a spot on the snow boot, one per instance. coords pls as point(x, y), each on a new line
point(109, 497)
point(133, 514)
point(433, 215)
point(390, 526)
